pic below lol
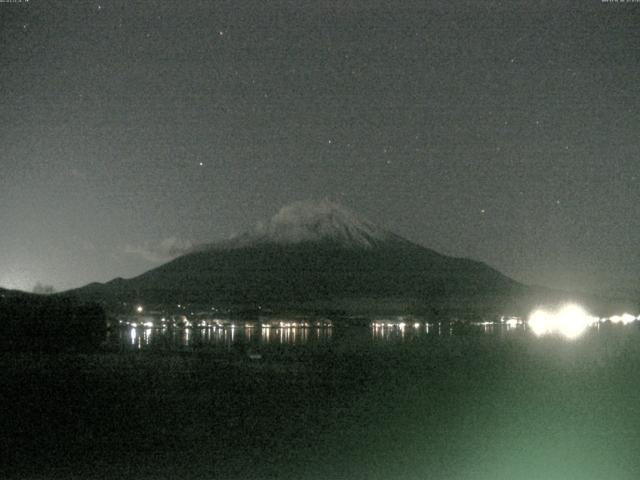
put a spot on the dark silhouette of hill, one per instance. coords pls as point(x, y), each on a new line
point(43, 322)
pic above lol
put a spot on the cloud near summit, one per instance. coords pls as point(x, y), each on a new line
point(161, 251)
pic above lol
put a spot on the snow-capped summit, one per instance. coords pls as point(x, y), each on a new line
point(315, 221)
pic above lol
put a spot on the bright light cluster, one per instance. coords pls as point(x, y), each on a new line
point(511, 322)
point(625, 319)
point(570, 321)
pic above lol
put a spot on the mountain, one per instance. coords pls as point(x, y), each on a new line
point(320, 257)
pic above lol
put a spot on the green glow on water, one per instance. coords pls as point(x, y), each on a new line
point(452, 407)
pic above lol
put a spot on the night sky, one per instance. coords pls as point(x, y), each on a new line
point(507, 132)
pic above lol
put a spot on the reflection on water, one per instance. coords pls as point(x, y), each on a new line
point(136, 337)
point(292, 333)
point(405, 331)
point(246, 335)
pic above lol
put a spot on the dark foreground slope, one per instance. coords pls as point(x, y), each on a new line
point(38, 322)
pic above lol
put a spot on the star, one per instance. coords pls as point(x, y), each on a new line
point(201, 164)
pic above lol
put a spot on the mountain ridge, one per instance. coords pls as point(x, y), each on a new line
point(308, 252)
point(312, 256)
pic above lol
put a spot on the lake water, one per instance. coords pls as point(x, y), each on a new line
point(444, 401)
point(258, 336)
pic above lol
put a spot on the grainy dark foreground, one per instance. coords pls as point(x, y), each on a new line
point(458, 407)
